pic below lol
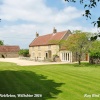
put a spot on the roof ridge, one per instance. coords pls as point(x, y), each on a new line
point(44, 35)
point(64, 34)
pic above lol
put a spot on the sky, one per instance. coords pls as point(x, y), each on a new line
point(21, 19)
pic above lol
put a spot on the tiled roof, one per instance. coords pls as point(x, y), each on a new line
point(4, 48)
point(45, 39)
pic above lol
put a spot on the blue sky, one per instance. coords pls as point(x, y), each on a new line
point(21, 19)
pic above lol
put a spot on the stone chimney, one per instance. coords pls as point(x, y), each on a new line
point(54, 30)
point(37, 34)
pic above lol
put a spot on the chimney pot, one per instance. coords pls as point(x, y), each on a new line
point(54, 30)
point(37, 34)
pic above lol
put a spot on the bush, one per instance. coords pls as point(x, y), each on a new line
point(95, 54)
point(24, 52)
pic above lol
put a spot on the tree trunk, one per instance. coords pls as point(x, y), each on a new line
point(79, 60)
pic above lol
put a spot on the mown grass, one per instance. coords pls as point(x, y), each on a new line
point(54, 82)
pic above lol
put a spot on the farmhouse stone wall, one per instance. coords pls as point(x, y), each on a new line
point(40, 51)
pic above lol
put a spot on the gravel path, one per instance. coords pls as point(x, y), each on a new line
point(27, 62)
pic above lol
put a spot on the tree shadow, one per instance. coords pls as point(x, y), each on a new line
point(83, 64)
point(27, 82)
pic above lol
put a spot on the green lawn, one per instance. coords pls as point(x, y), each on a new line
point(54, 82)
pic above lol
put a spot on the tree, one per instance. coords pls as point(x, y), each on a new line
point(24, 52)
point(95, 49)
point(1, 42)
point(78, 43)
point(89, 4)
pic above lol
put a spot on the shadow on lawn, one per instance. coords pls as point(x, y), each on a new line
point(27, 82)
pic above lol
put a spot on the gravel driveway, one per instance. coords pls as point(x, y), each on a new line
point(27, 62)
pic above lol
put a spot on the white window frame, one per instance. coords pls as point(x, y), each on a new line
point(66, 56)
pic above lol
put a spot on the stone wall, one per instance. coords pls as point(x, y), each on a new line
point(9, 54)
point(40, 51)
point(93, 60)
point(85, 57)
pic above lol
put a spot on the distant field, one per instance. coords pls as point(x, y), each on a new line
point(54, 82)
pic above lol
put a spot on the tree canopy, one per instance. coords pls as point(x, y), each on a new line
point(1, 42)
point(78, 43)
point(24, 52)
point(88, 4)
point(95, 49)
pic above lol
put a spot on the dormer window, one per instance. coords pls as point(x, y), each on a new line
point(38, 47)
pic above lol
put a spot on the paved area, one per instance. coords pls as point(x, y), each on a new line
point(22, 62)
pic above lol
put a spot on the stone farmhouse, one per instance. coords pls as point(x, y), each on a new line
point(9, 51)
point(41, 48)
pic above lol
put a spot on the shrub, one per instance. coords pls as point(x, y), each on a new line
point(24, 52)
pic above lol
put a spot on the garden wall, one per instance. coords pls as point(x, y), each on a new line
point(94, 60)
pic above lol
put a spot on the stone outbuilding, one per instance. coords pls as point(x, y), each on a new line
point(7, 51)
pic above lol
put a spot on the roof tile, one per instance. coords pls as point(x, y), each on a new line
point(4, 48)
point(45, 39)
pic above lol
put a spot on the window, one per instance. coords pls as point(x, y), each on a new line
point(33, 54)
point(65, 56)
point(38, 47)
point(68, 56)
point(49, 47)
point(39, 54)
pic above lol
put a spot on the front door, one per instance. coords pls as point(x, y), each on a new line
point(46, 55)
point(87, 57)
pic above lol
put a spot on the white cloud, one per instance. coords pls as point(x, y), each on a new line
point(20, 35)
point(36, 11)
point(42, 18)
point(23, 34)
point(30, 10)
